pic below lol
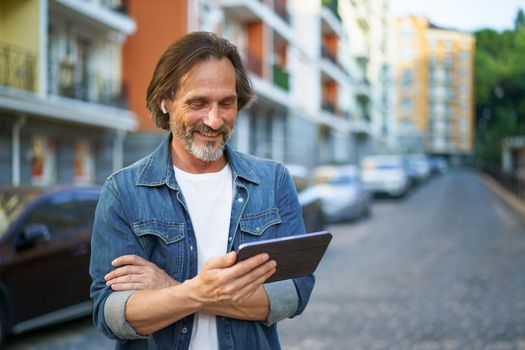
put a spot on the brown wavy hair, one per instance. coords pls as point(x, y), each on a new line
point(180, 57)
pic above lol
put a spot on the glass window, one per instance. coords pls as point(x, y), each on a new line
point(43, 161)
point(64, 214)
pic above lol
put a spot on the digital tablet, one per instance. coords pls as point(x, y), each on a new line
point(296, 256)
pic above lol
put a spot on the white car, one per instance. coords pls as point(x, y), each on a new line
point(343, 195)
point(385, 174)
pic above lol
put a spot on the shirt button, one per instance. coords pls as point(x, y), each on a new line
point(191, 247)
point(229, 239)
point(240, 200)
point(184, 330)
point(257, 229)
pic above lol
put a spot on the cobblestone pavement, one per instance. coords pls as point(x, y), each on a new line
point(443, 268)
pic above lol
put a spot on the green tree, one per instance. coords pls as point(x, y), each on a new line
point(500, 88)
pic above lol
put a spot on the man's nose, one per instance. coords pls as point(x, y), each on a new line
point(214, 119)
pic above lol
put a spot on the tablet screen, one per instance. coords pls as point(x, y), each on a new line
point(296, 256)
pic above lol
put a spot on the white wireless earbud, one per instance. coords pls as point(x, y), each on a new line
point(163, 106)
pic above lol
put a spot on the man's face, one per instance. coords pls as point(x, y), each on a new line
point(203, 111)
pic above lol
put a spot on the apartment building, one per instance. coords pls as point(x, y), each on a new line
point(434, 88)
point(300, 63)
point(63, 106)
point(368, 24)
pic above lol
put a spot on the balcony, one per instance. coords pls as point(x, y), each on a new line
point(120, 6)
point(332, 5)
point(254, 64)
point(67, 80)
point(281, 11)
point(328, 106)
point(325, 53)
point(17, 67)
point(281, 78)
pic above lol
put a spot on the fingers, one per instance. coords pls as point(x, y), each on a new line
point(123, 271)
point(127, 286)
point(244, 267)
point(129, 260)
point(248, 289)
point(255, 277)
point(220, 262)
point(127, 282)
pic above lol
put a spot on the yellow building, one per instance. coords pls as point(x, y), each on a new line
point(63, 102)
point(434, 88)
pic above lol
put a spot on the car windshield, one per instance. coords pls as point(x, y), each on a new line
point(11, 204)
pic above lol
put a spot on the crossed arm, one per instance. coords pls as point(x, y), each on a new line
point(221, 288)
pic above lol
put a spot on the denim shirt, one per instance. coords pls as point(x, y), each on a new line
point(142, 211)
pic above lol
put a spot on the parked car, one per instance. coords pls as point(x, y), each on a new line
point(343, 195)
point(385, 174)
point(438, 165)
point(420, 165)
point(310, 201)
point(44, 255)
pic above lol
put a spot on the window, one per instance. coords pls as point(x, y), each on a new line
point(407, 78)
point(64, 214)
point(84, 162)
point(43, 161)
point(407, 104)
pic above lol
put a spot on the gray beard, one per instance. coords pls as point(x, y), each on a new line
point(208, 153)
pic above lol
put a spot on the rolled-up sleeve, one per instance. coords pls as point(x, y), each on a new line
point(115, 315)
point(283, 299)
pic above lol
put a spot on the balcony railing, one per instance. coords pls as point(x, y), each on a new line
point(68, 80)
point(332, 5)
point(281, 11)
point(325, 53)
point(329, 106)
point(120, 6)
point(281, 78)
point(17, 67)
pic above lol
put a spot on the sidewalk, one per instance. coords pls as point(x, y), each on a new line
point(508, 197)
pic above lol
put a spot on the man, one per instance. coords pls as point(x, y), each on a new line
point(167, 222)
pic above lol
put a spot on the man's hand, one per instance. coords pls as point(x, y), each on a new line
point(223, 282)
point(134, 272)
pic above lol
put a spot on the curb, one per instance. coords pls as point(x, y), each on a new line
point(507, 196)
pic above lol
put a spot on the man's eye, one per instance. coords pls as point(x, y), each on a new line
point(228, 103)
point(197, 104)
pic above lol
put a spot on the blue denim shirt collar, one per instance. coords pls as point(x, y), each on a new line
point(158, 169)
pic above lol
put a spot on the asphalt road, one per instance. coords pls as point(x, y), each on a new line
point(443, 268)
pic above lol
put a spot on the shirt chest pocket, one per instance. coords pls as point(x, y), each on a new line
point(260, 225)
point(164, 244)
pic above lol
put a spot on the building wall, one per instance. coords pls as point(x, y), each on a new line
point(63, 138)
point(14, 15)
point(435, 98)
point(157, 27)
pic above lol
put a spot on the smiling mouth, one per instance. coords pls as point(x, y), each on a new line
point(208, 134)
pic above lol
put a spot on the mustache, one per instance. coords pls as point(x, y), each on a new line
point(207, 131)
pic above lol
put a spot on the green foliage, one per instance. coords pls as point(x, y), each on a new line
point(500, 88)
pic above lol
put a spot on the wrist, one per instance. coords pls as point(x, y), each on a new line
point(191, 290)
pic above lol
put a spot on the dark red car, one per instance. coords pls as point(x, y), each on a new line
point(44, 255)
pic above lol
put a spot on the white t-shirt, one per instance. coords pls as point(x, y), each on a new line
point(209, 200)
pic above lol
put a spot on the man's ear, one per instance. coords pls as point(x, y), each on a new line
point(163, 106)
